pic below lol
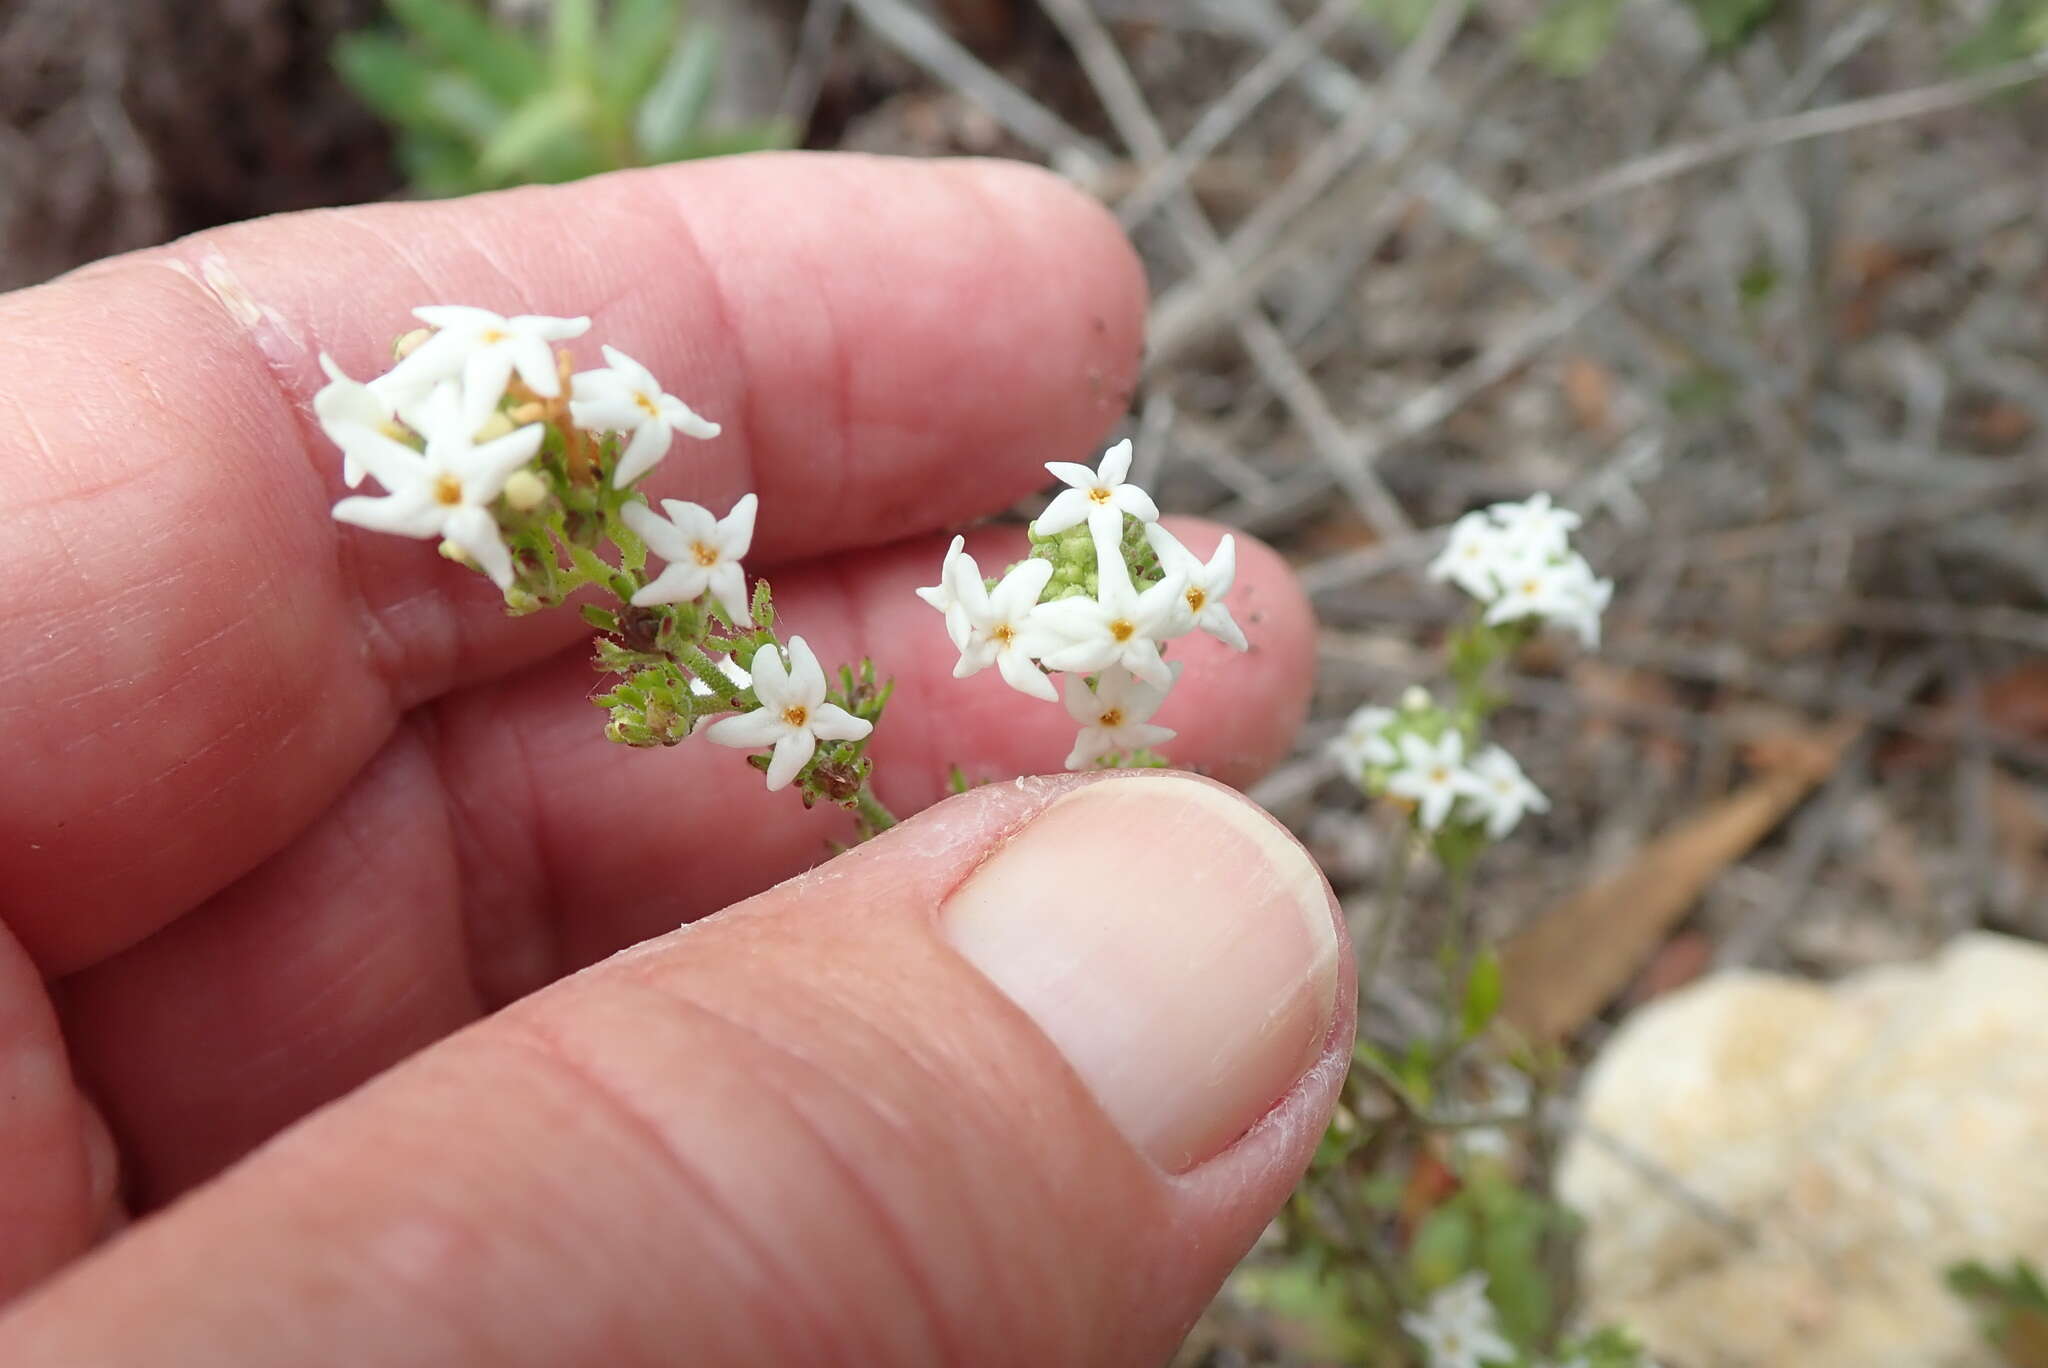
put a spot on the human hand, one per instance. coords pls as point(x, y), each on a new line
point(1016, 1082)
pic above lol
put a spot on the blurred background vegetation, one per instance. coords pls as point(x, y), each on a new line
point(1759, 286)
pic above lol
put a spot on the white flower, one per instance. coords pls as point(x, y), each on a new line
point(484, 349)
point(1363, 742)
point(346, 408)
point(1473, 556)
point(1457, 1329)
point(1536, 527)
point(446, 490)
point(1119, 626)
point(1433, 774)
point(1502, 792)
point(1590, 597)
point(1206, 584)
point(1098, 497)
point(1563, 591)
point(627, 398)
point(703, 553)
point(956, 571)
point(1115, 715)
point(1000, 626)
point(793, 717)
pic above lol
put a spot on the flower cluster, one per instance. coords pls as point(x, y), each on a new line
point(1417, 753)
point(1103, 591)
point(1516, 558)
point(484, 436)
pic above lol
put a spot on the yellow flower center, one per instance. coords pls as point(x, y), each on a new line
point(1004, 634)
point(796, 715)
point(1100, 494)
point(1123, 630)
point(447, 490)
point(491, 337)
point(646, 404)
point(1111, 718)
point(1198, 598)
point(1440, 775)
point(707, 556)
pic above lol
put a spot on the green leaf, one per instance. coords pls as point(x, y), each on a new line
point(668, 116)
point(1482, 993)
point(639, 38)
point(388, 76)
point(2015, 29)
point(524, 139)
point(1572, 36)
point(1728, 23)
point(1446, 1244)
point(498, 57)
point(464, 106)
point(572, 41)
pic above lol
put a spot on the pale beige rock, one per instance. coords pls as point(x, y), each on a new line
point(1860, 1137)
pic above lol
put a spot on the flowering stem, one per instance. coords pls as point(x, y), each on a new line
point(870, 813)
point(1393, 912)
point(1458, 945)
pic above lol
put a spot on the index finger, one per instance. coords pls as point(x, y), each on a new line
point(196, 658)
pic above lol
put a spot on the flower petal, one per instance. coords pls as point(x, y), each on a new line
point(806, 676)
point(792, 753)
point(1115, 466)
point(830, 722)
point(1069, 508)
point(476, 532)
point(649, 445)
point(748, 730)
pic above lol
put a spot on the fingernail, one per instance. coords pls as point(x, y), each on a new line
point(1176, 945)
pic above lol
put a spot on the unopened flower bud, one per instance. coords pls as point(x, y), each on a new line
point(408, 343)
point(1415, 699)
point(525, 491)
point(451, 551)
point(532, 411)
point(520, 601)
point(495, 426)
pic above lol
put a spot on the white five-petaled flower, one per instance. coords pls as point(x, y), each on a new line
point(793, 717)
point(446, 490)
point(346, 409)
point(625, 397)
point(1457, 1329)
point(1536, 526)
point(1433, 774)
point(1202, 601)
point(1502, 792)
point(1472, 556)
point(703, 553)
point(1119, 626)
point(1115, 715)
point(1000, 623)
point(1364, 742)
point(484, 349)
point(1563, 591)
point(957, 569)
point(1099, 497)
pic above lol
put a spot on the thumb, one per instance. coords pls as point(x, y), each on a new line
point(1016, 1083)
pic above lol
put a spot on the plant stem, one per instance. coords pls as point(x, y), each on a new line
point(1393, 912)
point(874, 817)
point(1458, 947)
